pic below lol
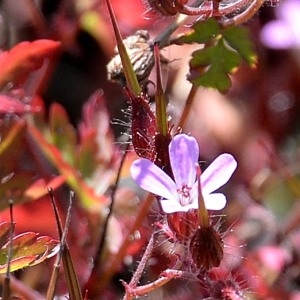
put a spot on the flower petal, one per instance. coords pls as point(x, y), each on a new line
point(170, 206)
point(184, 153)
point(216, 201)
point(217, 173)
point(152, 179)
point(278, 35)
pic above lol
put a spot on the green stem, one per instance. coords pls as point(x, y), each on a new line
point(130, 75)
point(160, 98)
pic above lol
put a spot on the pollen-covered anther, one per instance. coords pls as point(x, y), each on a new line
point(184, 195)
point(206, 248)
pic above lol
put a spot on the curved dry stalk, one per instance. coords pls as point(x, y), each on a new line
point(245, 15)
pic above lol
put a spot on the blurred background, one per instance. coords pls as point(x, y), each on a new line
point(257, 120)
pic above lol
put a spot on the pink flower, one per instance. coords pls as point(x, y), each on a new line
point(181, 194)
point(284, 32)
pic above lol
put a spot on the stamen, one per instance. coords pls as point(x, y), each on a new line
point(184, 195)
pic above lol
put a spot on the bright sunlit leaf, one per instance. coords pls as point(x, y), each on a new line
point(28, 249)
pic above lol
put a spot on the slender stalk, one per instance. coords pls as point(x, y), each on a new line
point(20, 288)
point(244, 16)
point(63, 235)
point(164, 278)
point(139, 271)
point(187, 107)
point(69, 270)
point(160, 98)
point(6, 285)
point(130, 76)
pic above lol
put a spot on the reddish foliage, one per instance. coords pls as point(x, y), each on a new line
point(11, 105)
point(24, 58)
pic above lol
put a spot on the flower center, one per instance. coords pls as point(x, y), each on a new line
point(184, 195)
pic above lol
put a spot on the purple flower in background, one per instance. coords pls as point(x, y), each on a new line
point(181, 194)
point(283, 33)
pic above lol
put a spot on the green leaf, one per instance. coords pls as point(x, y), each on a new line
point(63, 133)
point(238, 38)
point(224, 50)
point(211, 66)
point(86, 156)
point(281, 197)
point(203, 32)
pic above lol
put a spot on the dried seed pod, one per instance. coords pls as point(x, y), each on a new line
point(141, 55)
point(206, 248)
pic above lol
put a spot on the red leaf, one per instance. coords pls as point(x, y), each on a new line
point(11, 105)
point(40, 187)
point(25, 57)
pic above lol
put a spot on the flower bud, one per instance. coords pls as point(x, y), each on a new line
point(143, 127)
point(225, 290)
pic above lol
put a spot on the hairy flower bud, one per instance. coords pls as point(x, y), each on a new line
point(206, 248)
point(143, 127)
point(225, 290)
point(141, 55)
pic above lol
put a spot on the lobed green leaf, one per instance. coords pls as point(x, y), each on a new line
point(238, 39)
point(203, 32)
point(211, 66)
